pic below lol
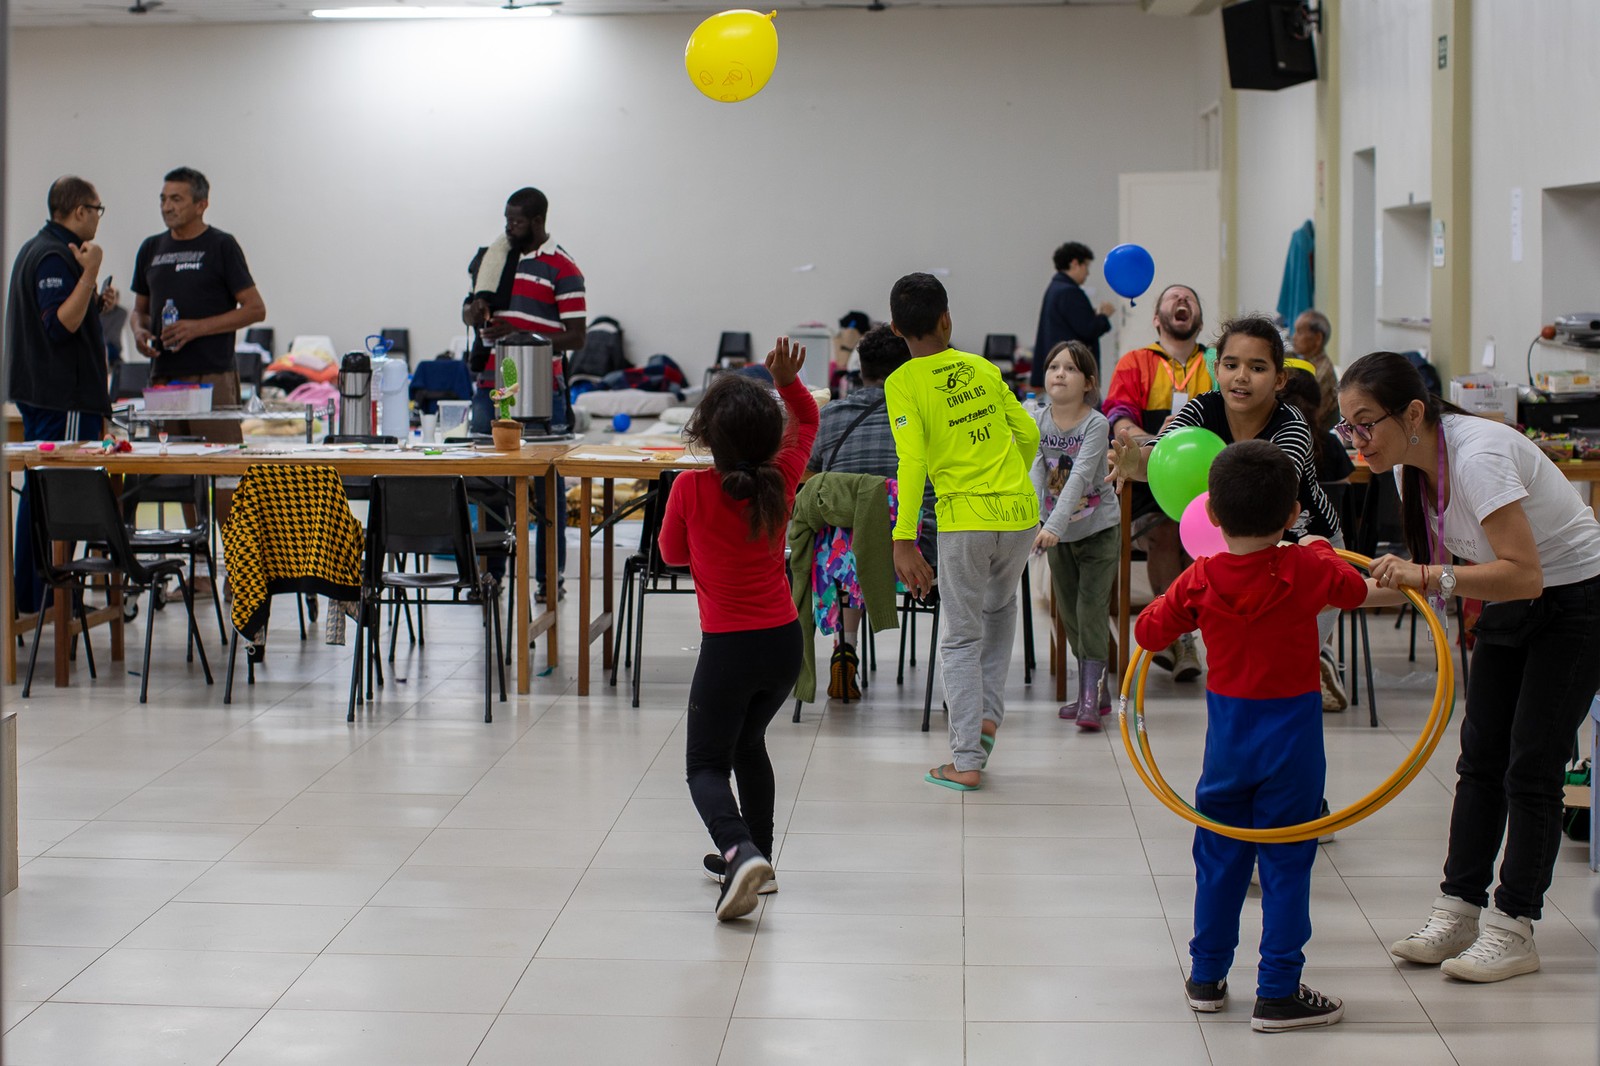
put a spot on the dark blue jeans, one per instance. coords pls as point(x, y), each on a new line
point(38, 423)
point(1535, 668)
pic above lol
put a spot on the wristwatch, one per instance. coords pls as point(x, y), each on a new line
point(1447, 580)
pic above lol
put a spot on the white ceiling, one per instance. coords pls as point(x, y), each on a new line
point(32, 13)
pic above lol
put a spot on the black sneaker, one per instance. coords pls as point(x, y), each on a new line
point(842, 684)
point(1300, 1011)
point(1326, 838)
point(747, 871)
point(716, 868)
point(1208, 997)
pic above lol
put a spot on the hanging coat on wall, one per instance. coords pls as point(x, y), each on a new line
point(1298, 292)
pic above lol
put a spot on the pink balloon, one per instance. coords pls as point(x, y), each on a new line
point(1199, 536)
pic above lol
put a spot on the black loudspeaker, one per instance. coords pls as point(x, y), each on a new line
point(1269, 44)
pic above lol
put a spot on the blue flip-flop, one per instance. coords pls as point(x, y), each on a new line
point(936, 777)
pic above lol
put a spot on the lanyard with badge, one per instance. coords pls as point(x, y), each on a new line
point(1438, 600)
point(1182, 388)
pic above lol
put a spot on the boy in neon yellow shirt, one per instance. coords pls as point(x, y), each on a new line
point(957, 424)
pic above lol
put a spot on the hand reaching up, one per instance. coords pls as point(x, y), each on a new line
point(785, 361)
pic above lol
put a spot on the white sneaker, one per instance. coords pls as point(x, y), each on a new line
point(1334, 697)
point(1186, 665)
point(1504, 948)
point(1450, 929)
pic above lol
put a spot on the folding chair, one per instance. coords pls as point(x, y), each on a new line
point(645, 573)
point(423, 516)
point(79, 505)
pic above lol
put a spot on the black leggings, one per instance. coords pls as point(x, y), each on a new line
point(1534, 670)
point(739, 683)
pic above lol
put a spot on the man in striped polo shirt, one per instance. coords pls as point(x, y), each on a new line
point(524, 282)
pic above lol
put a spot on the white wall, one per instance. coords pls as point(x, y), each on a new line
point(361, 165)
point(1533, 102)
point(1387, 52)
point(1277, 144)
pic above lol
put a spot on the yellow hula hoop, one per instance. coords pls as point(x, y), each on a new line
point(1433, 730)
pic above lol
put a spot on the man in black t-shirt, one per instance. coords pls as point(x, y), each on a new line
point(202, 271)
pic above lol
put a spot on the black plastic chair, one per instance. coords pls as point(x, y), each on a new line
point(910, 608)
point(264, 336)
point(423, 516)
point(78, 505)
point(733, 351)
point(128, 380)
point(1001, 350)
point(645, 573)
point(192, 540)
point(249, 366)
point(399, 341)
point(305, 586)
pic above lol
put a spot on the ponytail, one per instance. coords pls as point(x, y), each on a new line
point(761, 484)
point(741, 423)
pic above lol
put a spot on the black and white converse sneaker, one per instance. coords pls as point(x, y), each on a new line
point(748, 870)
point(1300, 1011)
point(716, 868)
point(1208, 997)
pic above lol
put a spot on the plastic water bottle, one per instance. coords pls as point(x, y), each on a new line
point(1028, 401)
point(169, 317)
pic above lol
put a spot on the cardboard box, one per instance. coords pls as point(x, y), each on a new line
point(1496, 401)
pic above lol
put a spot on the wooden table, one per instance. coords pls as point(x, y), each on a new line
point(534, 460)
point(607, 463)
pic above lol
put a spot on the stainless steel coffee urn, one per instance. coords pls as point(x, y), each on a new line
point(355, 395)
point(533, 357)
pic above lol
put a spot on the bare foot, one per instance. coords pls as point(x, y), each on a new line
point(970, 778)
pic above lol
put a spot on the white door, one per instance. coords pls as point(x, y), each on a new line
point(1177, 217)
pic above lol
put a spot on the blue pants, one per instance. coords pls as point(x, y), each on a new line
point(38, 423)
point(1264, 767)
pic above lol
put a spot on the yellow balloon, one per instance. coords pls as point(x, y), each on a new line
point(730, 56)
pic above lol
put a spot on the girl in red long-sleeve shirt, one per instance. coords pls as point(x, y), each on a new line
point(727, 524)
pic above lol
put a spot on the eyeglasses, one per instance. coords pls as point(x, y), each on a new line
point(1351, 432)
point(98, 209)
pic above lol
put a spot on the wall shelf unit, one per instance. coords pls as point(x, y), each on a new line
point(1423, 325)
point(1405, 288)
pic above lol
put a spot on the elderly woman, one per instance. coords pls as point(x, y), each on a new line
point(1530, 548)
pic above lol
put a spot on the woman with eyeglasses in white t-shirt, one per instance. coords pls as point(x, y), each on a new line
point(1530, 549)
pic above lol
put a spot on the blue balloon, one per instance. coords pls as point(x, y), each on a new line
point(620, 422)
point(1128, 269)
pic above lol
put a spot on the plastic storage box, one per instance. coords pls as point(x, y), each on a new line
point(177, 399)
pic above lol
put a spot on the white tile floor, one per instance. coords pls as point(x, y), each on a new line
point(264, 884)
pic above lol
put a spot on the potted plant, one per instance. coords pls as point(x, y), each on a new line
point(507, 431)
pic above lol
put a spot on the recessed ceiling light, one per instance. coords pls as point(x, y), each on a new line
point(399, 11)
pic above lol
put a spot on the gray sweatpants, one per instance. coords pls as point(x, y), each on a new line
point(979, 573)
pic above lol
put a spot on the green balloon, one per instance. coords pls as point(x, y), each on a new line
point(1179, 465)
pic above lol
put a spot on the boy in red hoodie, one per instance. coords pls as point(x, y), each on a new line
point(1256, 606)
